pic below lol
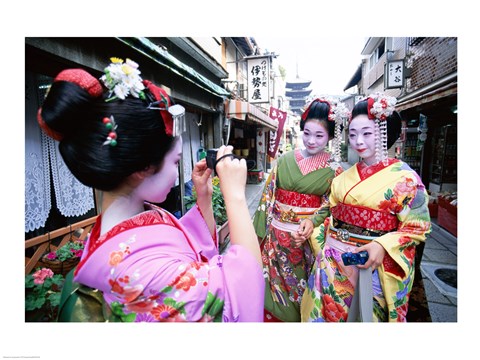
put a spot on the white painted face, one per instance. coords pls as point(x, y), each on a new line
point(156, 187)
point(315, 137)
point(361, 135)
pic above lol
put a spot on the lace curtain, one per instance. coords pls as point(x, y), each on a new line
point(41, 155)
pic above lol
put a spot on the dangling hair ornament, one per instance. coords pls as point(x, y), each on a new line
point(380, 107)
point(123, 79)
point(173, 115)
point(339, 113)
point(112, 134)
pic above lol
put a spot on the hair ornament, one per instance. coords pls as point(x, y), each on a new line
point(112, 134)
point(82, 79)
point(338, 113)
point(173, 116)
point(123, 79)
point(380, 106)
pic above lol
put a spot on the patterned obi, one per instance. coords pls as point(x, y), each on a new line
point(359, 225)
point(293, 198)
point(292, 207)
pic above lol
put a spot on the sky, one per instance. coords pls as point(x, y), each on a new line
point(329, 62)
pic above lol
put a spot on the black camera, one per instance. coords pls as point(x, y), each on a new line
point(359, 258)
point(211, 158)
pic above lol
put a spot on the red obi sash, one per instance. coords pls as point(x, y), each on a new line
point(293, 198)
point(365, 217)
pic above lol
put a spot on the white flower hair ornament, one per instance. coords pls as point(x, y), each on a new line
point(380, 106)
point(123, 79)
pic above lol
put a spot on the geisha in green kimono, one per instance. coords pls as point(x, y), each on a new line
point(294, 201)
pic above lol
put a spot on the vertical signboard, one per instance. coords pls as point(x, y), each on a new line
point(258, 80)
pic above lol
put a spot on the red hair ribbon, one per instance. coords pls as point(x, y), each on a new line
point(162, 96)
point(82, 79)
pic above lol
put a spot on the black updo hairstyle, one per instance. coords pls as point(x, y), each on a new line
point(319, 111)
point(394, 121)
point(78, 117)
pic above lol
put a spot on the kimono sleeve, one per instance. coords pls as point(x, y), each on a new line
point(263, 214)
point(414, 226)
point(150, 280)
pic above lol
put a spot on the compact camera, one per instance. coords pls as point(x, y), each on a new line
point(359, 258)
point(211, 158)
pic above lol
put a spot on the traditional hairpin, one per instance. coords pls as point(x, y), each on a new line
point(112, 135)
point(173, 115)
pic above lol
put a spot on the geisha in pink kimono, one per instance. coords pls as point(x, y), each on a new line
point(148, 265)
point(294, 201)
point(380, 206)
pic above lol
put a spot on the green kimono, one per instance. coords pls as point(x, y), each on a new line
point(297, 188)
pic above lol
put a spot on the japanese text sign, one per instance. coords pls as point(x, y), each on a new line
point(258, 79)
point(394, 74)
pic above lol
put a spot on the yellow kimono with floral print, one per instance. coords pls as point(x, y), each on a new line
point(393, 189)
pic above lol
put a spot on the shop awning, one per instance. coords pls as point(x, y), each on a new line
point(241, 110)
point(164, 58)
point(436, 94)
point(444, 87)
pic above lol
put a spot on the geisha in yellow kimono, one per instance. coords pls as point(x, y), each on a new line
point(294, 201)
point(379, 205)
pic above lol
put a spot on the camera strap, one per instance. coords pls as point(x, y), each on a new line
point(361, 309)
point(221, 158)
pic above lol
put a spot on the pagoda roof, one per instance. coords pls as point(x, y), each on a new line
point(297, 93)
point(298, 82)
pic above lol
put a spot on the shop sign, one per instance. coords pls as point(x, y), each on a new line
point(258, 79)
point(394, 74)
point(275, 136)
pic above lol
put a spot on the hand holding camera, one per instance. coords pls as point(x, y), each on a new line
point(359, 258)
point(231, 171)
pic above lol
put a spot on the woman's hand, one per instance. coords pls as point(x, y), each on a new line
point(376, 253)
point(201, 180)
point(232, 173)
point(303, 233)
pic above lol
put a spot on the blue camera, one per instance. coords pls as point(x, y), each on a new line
point(359, 258)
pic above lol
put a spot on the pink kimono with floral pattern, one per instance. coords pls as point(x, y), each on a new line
point(153, 267)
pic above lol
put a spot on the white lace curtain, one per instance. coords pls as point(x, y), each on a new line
point(41, 155)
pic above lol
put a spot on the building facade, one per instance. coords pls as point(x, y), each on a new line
point(427, 101)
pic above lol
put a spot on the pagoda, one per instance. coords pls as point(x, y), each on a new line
point(297, 93)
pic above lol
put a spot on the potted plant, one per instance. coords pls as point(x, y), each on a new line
point(65, 258)
point(42, 295)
